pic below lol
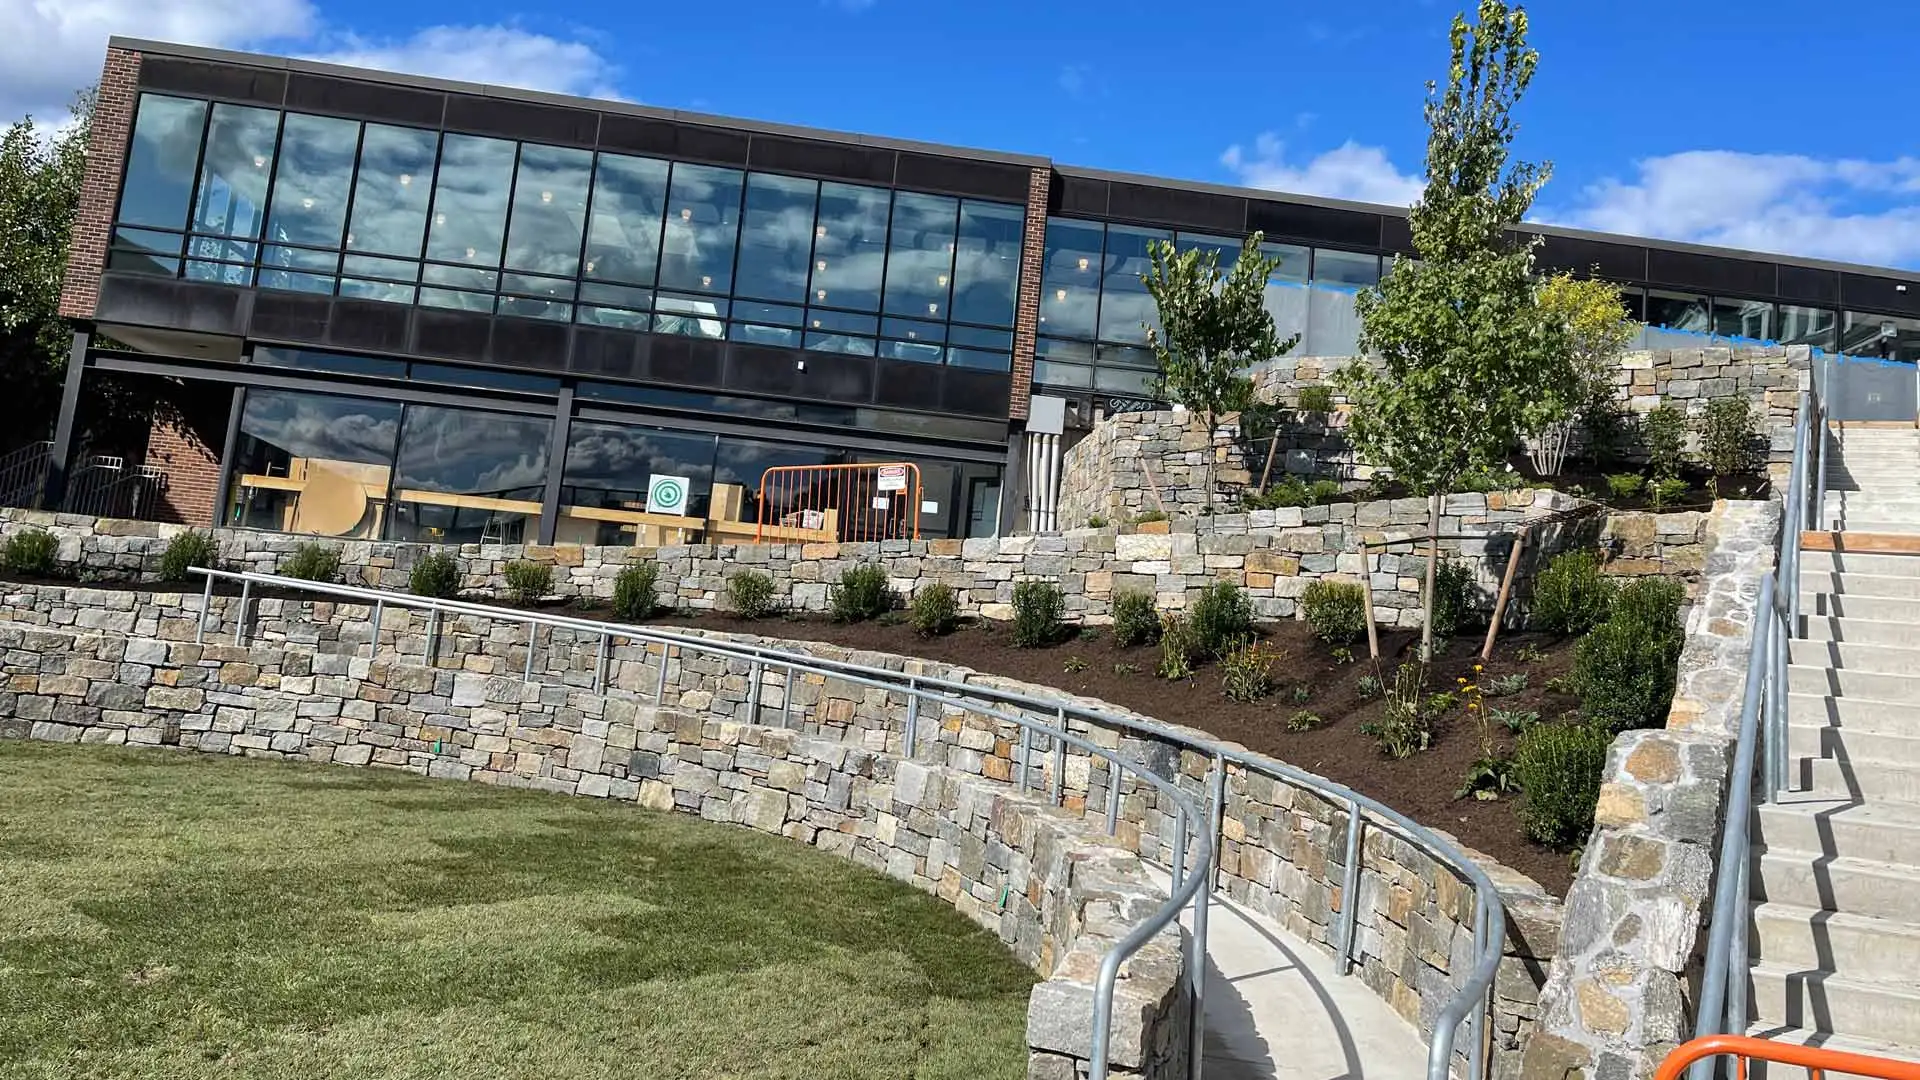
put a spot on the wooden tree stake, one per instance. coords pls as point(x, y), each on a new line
point(1506, 586)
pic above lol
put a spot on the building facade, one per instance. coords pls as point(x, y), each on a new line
point(417, 309)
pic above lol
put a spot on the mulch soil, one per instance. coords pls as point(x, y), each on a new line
point(1423, 787)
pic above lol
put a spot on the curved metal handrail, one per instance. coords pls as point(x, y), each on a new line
point(1468, 1003)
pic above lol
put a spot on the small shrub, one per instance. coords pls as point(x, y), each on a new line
point(1337, 611)
point(1558, 768)
point(1300, 693)
point(1145, 516)
point(1246, 673)
point(1506, 685)
point(1368, 687)
point(1488, 779)
point(1322, 492)
point(1038, 609)
point(1074, 665)
point(1664, 493)
point(1316, 398)
point(527, 582)
point(1303, 721)
point(1221, 620)
point(1623, 670)
point(1135, 620)
point(1096, 521)
point(863, 593)
point(1441, 703)
point(750, 594)
point(1625, 485)
point(1726, 438)
point(1571, 596)
point(934, 611)
point(636, 591)
point(1453, 592)
point(1341, 654)
point(1290, 491)
point(435, 574)
point(1529, 653)
point(1404, 728)
point(1122, 668)
point(186, 550)
point(313, 562)
point(1088, 633)
point(30, 551)
point(1176, 649)
point(1665, 432)
point(1517, 721)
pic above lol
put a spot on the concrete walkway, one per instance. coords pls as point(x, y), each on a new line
point(1277, 1008)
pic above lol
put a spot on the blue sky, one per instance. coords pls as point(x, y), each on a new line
point(1782, 125)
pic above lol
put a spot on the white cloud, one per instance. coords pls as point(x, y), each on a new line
point(52, 48)
point(1847, 209)
point(1350, 171)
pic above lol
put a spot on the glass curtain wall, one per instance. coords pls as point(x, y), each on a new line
point(250, 196)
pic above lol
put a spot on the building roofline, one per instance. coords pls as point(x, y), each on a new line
point(262, 60)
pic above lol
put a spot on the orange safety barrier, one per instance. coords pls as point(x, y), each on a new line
point(840, 502)
point(1817, 1060)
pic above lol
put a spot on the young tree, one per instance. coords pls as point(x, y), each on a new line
point(1213, 326)
point(1597, 328)
point(1465, 347)
point(40, 172)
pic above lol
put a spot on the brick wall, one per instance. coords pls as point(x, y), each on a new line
point(100, 190)
point(193, 474)
point(1026, 319)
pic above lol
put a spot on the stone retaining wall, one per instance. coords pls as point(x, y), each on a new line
point(1614, 1004)
point(1058, 893)
point(1283, 847)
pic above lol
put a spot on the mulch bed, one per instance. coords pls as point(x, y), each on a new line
point(1423, 787)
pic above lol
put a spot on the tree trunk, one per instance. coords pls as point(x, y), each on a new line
point(1433, 565)
point(1206, 469)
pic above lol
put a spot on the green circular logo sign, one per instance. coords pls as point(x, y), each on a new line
point(667, 494)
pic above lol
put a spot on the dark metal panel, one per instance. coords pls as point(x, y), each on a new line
point(861, 164)
point(456, 335)
point(365, 101)
point(139, 300)
point(288, 316)
point(975, 392)
point(522, 120)
point(820, 376)
point(1314, 224)
point(1805, 283)
point(637, 135)
point(530, 343)
point(1079, 195)
point(218, 371)
point(956, 176)
point(232, 82)
point(907, 385)
point(369, 324)
point(606, 353)
point(1712, 273)
point(1396, 234)
point(1177, 206)
point(1625, 262)
point(685, 361)
point(1860, 292)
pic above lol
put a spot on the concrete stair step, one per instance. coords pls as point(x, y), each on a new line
point(1841, 744)
point(1863, 887)
point(1804, 679)
point(1829, 1002)
point(1788, 936)
point(1872, 781)
point(1851, 562)
point(1860, 714)
point(1814, 826)
point(1876, 608)
point(1862, 521)
point(1871, 504)
point(1860, 631)
point(1857, 656)
point(1800, 1036)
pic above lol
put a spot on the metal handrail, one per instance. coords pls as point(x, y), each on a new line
point(1815, 1059)
point(1469, 1003)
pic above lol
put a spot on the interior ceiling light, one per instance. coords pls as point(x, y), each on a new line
point(469, 253)
point(820, 294)
point(439, 219)
point(546, 196)
point(590, 264)
point(306, 204)
point(820, 230)
point(1060, 295)
point(942, 280)
point(821, 265)
point(1083, 264)
point(706, 281)
point(405, 179)
point(816, 324)
point(686, 213)
point(933, 309)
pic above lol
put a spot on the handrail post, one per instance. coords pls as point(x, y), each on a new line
point(1060, 760)
point(1115, 774)
point(1026, 753)
point(1197, 968)
point(1477, 1019)
point(786, 707)
point(600, 667)
point(373, 639)
point(533, 633)
point(1350, 889)
point(431, 653)
point(206, 609)
point(1216, 817)
point(240, 622)
point(753, 691)
point(660, 688)
point(913, 714)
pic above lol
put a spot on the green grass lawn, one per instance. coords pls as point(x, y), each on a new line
point(168, 916)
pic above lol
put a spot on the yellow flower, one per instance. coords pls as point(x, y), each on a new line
point(1477, 667)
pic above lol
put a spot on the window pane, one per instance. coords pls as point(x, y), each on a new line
point(917, 351)
point(233, 173)
point(744, 461)
point(703, 221)
point(783, 336)
point(1743, 319)
point(629, 199)
point(1678, 311)
point(1888, 337)
point(770, 314)
point(160, 164)
point(986, 271)
point(312, 360)
point(1349, 268)
point(469, 477)
point(1070, 282)
point(390, 198)
point(309, 463)
point(845, 322)
point(1295, 262)
point(461, 277)
point(1808, 326)
point(840, 343)
point(1054, 373)
point(776, 237)
point(1226, 252)
point(977, 358)
point(316, 173)
point(470, 200)
point(610, 466)
point(298, 269)
point(1124, 304)
point(692, 316)
point(914, 331)
point(981, 339)
point(549, 209)
point(920, 255)
point(456, 301)
point(849, 247)
point(457, 375)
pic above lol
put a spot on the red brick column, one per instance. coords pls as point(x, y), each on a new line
point(193, 475)
point(1026, 317)
point(100, 190)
